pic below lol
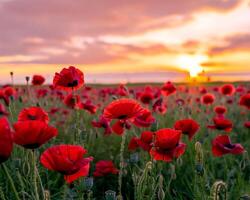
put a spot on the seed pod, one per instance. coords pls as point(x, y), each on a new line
point(199, 159)
point(110, 195)
point(88, 182)
point(46, 195)
point(161, 193)
point(219, 187)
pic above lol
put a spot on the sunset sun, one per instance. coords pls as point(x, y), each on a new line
point(191, 64)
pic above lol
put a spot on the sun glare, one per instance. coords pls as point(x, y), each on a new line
point(191, 63)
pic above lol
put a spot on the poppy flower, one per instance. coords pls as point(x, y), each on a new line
point(33, 113)
point(103, 123)
point(207, 99)
point(203, 90)
point(144, 142)
point(54, 110)
point(180, 102)
point(72, 101)
point(245, 101)
point(167, 145)
point(69, 79)
point(159, 106)
point(38, 80)
point(229, 101)
point(220, 110)
point(33, 133)
point(168, 89)
point(124, 110)
point(187, 126)
point(68, 160)
point(227, 89)
point(147, 95)
point(88, 106)
point(41, 93)
point(222, 145)
point(247, 124)
point(4, 97)
point(6, 140)
point(105, 167)
point(221, 124)
point(122, 91)
point(145, 119)
point(3, 110)
point(9, 91)
point(240, 89)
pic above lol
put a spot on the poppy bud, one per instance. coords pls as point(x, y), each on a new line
point(217, 188)
point(89, 182)
point(27, 78)
point(110, 195)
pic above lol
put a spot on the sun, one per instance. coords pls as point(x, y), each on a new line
point(191, 63)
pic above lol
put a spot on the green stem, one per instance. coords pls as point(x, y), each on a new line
point(121, 163)
point(2, 196)
point(11, 181)
point(35, 175)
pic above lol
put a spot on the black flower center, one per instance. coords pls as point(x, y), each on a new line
point(122, 117)
point(31, 146)
point(32, 117)
point(73, 83)
point(229, 146)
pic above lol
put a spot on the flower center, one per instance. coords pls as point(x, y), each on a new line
point(73, 83)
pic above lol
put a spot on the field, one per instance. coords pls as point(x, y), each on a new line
point(143, 135)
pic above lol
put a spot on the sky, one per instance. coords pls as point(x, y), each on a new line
point(126, 40)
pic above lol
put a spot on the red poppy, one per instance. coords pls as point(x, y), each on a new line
point(187, 126)
point(68, 160)
point(207, 99)
point(144, 142)
point(88, 106)
point(122, 91)
point(68, 79)
point(4, 97)
point(240, 89)
point(124, 110)
point(227, 89)
point(145, 119)
point(9, 91)
point(220, 110)
point(72, 101)
point(33, 113)
point(159, 106)
point(41, 93)
point(38, 80)
point(33, 133)
point(6, 140)
point(168, 89)
point(105, 167)
point(3, 110)
point(54, 111)
point(245, 101)
point(221, 124)
point(167, 145)
point(103, 123)
point(203, 90)
point(229, 101)
point(222, 145)
point(247, 124)
point(180, 102)
point(147, 95)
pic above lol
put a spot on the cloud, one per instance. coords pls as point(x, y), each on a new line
point(239, 42)
point(55, 22)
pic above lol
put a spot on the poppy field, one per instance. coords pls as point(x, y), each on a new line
point(72, 140)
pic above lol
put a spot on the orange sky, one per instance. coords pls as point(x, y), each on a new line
point(116, 41)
